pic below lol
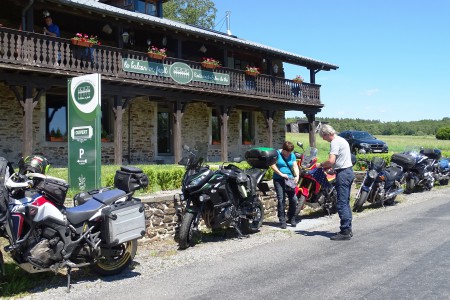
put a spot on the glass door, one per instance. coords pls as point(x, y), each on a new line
point(164, 132)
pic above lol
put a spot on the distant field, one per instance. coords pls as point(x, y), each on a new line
point(396, 143)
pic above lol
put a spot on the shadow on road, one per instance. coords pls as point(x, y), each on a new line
point(326, 234)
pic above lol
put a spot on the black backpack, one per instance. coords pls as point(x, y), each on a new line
point(6, 170)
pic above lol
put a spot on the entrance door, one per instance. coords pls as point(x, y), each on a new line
point(165, 141)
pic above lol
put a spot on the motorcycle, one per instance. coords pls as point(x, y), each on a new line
point(441, 171)
point(227, 197)
point(312, 185)
point(380, 185)
point(418, 165)
point(44, 235)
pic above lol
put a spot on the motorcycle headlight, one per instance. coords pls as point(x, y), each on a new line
point(373, 174)
point(198, 179)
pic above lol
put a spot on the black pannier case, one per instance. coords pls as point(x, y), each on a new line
point(54, 189)
point(403, 160)
point(129, 179)
point(432, 153)
point(123, 222)
point(261, 157)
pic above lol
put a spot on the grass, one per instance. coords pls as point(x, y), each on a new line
point(396, 143)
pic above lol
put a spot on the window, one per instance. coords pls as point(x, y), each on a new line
point(215, 128)
point(247, 128)
point(56, 119)
point(164, 131)
point(146, 7)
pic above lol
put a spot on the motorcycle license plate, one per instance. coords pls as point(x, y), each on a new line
point(376, 151)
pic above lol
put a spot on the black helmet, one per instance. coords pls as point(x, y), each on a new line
point(33, 164)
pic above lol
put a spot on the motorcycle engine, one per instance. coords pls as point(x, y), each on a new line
point(42, 252)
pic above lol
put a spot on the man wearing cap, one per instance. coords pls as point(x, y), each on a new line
point(50, 28)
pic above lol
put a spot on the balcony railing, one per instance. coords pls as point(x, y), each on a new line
point(33, 52)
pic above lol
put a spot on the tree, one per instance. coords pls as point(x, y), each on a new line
point(193, 12)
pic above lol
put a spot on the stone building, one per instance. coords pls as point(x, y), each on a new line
point(149, 110)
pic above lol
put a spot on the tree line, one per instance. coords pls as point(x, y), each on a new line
point(376, 127)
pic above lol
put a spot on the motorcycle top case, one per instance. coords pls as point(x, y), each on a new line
point(403, 160)
point(431, 153)
point(56, 190)
point(130, 179)
point(261, 157)
point(123, 222)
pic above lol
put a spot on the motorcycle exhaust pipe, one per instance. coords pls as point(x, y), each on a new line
point(394, 193)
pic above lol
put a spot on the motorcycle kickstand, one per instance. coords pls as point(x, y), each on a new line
point(69, 271)
point(240, 235)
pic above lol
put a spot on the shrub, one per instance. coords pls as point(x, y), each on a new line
point(443, 133)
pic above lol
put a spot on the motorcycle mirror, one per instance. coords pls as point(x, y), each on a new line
point(186, 147)
point(300, 145)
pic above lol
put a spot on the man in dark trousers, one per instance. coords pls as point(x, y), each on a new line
point(341, 160)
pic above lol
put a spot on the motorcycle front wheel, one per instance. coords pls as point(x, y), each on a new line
point(115, 259)
point(249, 226)
point(187, 230)
point(300, 204)
point(357, 207)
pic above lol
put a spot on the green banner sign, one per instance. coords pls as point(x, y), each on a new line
point(84, 115)
point(178, 71)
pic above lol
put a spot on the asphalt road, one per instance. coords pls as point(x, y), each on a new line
point(400, 252)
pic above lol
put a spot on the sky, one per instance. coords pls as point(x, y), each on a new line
point(393, 55)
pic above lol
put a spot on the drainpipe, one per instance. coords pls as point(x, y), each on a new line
point(24, 12)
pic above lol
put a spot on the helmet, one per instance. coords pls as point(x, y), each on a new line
point(34, 164)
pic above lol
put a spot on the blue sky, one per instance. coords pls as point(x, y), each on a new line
point(393, 55)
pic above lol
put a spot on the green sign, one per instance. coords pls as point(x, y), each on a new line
point(178, 71)
point(84, 114)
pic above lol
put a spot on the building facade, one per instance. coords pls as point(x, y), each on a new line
point(151, 105)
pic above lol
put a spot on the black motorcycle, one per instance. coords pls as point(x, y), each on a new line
point(380, 185)
point(418, 165)
point(227, 197)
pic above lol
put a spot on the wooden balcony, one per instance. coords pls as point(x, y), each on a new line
point(30, 52)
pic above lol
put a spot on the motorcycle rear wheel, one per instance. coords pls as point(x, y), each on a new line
point(251, 226)
point(410, 183)
point(187, 229)
point(357, 207)
point(116, 259)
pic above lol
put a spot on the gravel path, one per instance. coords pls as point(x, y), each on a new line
point(152, 260)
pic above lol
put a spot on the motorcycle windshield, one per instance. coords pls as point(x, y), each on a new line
point(309, 157)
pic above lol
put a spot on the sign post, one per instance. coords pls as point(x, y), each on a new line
point(84, 128)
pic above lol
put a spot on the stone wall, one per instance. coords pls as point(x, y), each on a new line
point(162, 217)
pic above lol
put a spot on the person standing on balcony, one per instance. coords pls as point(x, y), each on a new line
point(285, 168)
point(340, 159)
point(50, 28)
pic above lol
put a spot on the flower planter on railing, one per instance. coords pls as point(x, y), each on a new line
point(298, 81)
point(81, 43)
point(208, 65)
point(252, 73)
point(156, 55)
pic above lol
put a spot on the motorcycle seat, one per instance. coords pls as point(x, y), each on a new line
point(83, 212)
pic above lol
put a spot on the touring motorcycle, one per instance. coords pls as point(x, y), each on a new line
point(418, 165)
point(315, 185)
point(44, 235)
point(442, 171)
point(380, 185)
point(227, 197)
